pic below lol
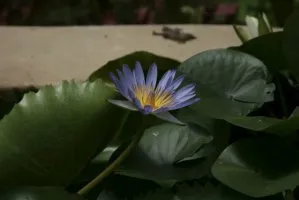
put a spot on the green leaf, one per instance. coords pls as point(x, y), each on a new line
point(106, 195)
point(160, 148)
point(145, 58)
point(268, 124)
point(10, 96)
point(39, 193)
point(172, 143)
point(231, 83)
point(195, 192)
point(267, 48)
point(291, 42)
point(130, 123)
point(169, 152)
point(50, 136)
point(267, 166)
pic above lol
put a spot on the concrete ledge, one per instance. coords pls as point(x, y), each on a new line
point(39, 56)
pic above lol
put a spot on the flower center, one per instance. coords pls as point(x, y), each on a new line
point(153, 98)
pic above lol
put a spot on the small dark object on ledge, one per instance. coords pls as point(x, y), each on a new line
point(175, 34)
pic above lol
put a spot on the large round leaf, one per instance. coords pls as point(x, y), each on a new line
point(195, 192)
point(259, 167)
point(132, 121)
point(160, 148)
point(145, 58)
point(192, 191)
point(267, 48)
point(51, 135)
point(230, 83)
point(170, 152)
point(268, 124)
point(291, 42)
point(10, 96)
point(39, 193)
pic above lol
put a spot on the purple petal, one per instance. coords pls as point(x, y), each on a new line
point(164, 80)
point(128, 76)
point(131, 95)
point(185, 98)
point(186, 90)
point(170, 80)
point(185, 104)
point(115, 81)
point(124, 104)
point(125, 84)
point(119, 85)
point(160, 110)
point(137, 104)
point(176, 83)
point(134, 100)
point(168, 117)
point(138, 74)
point(151, 78)
point(120, 75)
point(147, 110)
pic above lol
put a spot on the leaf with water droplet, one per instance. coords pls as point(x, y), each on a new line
point(268, 124)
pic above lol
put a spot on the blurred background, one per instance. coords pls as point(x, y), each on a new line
point(104, 12)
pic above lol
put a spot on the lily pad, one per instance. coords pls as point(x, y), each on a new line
point(50, 136)
point(160, 148)
point(268, 124)
point(39, 193)
point(170, 152)
point(145, 58)
point(195, 192)
point(267, 166)
point(230, 83)
point(259, 47)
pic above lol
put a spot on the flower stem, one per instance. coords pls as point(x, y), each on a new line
point(87, 188)
point(122, 124)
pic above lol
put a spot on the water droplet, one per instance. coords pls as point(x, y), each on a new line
point(155, 134)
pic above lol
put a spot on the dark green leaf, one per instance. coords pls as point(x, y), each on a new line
point(291, 42)
point(51, 135)
point(39, 193)
point(105, 195)
point(130, 123)
point(259, 167)
point(267, 48)
point(231, 83)
point(145, 58)
point(160, 148)
point(195, 192)
point(170, 152)
point(268, 124)
point(10, 96)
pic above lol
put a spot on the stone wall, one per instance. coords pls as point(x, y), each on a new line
point(39, 56)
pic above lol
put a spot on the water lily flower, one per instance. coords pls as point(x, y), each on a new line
point(148, 96)
point(257, 26)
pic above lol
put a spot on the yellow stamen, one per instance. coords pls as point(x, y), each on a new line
point(150, 97)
